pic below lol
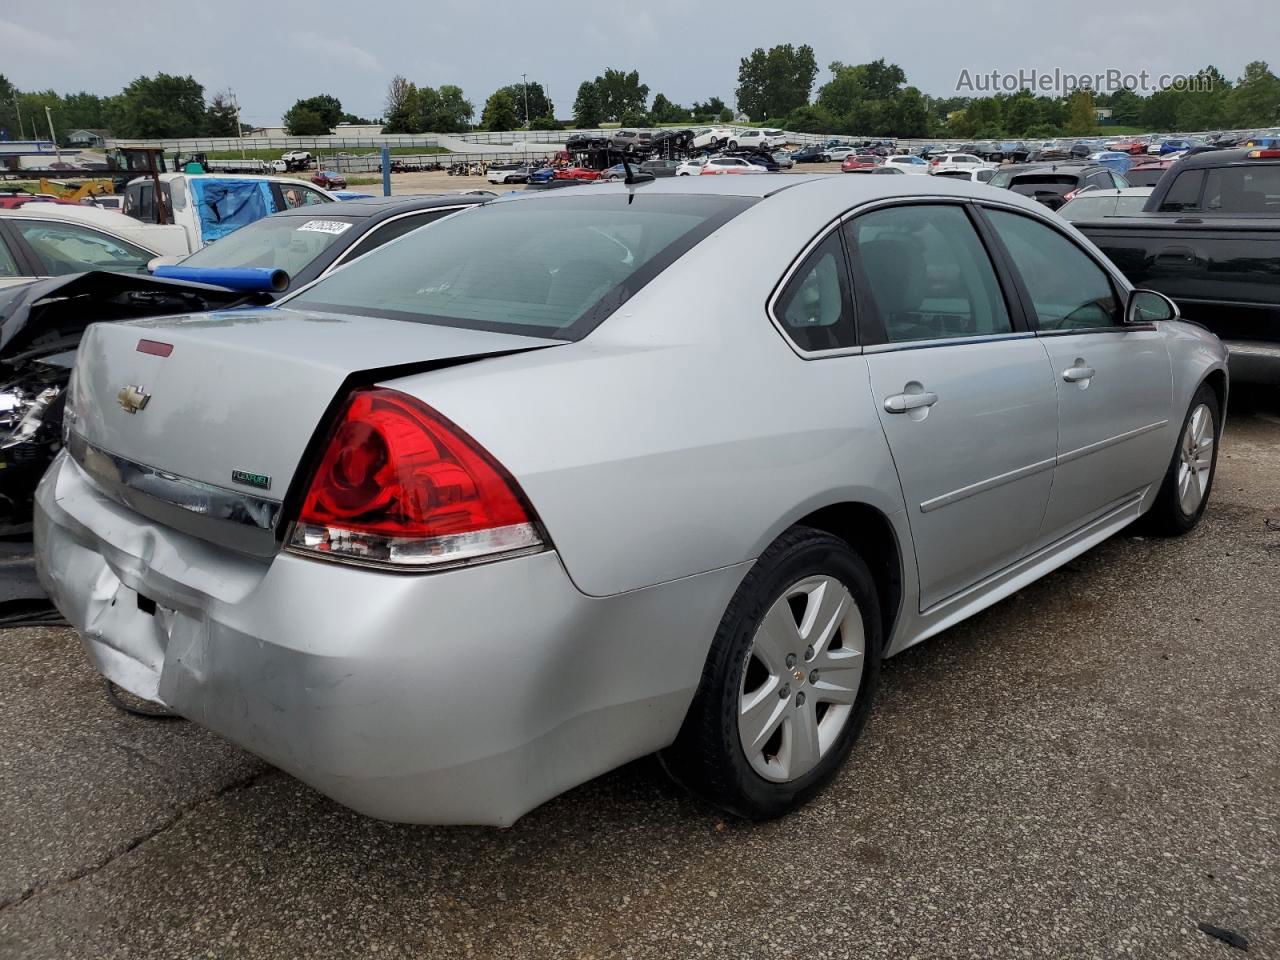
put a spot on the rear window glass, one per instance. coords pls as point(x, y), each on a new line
point(1184, 192)
point(1243, 189)
point(277, 243)
point(553, 267)
point(1033, 184)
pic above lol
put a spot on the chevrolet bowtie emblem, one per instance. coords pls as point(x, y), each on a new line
point(133, 398)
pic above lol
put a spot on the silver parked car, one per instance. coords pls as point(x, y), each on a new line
point(530, 492)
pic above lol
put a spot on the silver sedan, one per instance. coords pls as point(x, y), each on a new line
point(564, 480)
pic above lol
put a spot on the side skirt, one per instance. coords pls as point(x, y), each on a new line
point(947, 613)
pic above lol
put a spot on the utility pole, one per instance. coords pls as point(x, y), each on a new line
point(53, 136)
point(21, 133)
point(235, 102)
point(525, 77)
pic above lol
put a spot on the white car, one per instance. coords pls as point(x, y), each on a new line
point(718, 165)
point(53, 239)
point(907, 164)
point(708, 138)
point(508, 172)
point(956, 161)
point(973, 174)
point(691, 168)
point(757, 139)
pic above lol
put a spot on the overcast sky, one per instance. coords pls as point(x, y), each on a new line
point(273, 53)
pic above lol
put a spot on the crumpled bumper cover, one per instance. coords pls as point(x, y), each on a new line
point(467, 696)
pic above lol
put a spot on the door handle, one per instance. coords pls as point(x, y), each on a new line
point(1078, 373)
point(1176, 257)
point(904, 402)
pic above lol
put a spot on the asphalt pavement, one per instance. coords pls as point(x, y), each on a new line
point(1089, 769)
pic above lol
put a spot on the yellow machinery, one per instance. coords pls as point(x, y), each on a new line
point(74, 191)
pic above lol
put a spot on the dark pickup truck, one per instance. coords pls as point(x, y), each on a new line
point(1209, 238)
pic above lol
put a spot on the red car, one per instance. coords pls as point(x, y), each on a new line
point(577, 173)
point(12, 201)
point(1129, 146)
point(329, 180)
point(859, 161)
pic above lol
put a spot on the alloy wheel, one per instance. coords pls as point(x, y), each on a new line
point(1195, 459)
point(801, 678)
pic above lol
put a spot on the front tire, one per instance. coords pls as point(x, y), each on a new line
point(1184, 492)
point(788, 682)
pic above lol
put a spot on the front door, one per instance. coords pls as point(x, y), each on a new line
point(1114, 382)
point(966, 400)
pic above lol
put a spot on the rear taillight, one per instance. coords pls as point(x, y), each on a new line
point(400, 485)
point(1263, 154)
point(1067, 197)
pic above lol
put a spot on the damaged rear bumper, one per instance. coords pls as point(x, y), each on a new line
point(466, 696)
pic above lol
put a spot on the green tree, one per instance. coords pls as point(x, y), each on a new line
point(710, 110)
point(328, 108)
point(1126, 107)
point(904, 115)
point(1082, 116)
point(356, 120)
point(34, 118)
point(772, 83)
point(222, 118)
point(540, 104)
point(545, 123)
point(87, 110)
point(620, 93)
point(8, 112)
point(500, 112)
point(300, 122)
point(664, 111)
point(456, 111)
point(1021, 113)
point(812, 119)
point(157, 107)
point(726, 115)
point(403, 107)
point(588, 111)
point(1255, 99)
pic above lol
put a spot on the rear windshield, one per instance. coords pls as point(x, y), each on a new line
point(1038, 183)
point(553, 267)
point(278, 243)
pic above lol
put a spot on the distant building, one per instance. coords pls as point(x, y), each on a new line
point(88, 138)
point(358, 130)
point(1104, 113)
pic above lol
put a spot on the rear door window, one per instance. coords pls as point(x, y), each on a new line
point(8, 263)
point(815, 308)
point(927, 273)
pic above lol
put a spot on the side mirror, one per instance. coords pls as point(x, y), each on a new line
point(1148, 306)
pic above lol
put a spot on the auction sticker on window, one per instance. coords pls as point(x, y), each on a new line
point(325, 226)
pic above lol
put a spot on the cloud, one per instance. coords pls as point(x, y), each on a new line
point(345, 54)
point(14, 36)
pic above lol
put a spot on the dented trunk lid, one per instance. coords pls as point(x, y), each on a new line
point(200, 422)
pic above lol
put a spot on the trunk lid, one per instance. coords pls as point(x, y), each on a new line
point(225, 404)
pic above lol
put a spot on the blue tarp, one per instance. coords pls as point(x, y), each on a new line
point(225, 205)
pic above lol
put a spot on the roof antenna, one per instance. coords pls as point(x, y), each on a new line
point(631, 176)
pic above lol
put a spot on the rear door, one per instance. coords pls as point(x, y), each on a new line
point(1114, 382)
point(963, 390)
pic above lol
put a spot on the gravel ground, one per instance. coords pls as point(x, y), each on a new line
point(1086, 770)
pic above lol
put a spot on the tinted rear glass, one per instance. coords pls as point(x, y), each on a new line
point(277, 243)
point(552, 268)
point(1030, 184)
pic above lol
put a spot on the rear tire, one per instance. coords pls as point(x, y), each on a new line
point(1184, 492)
point(789, 680)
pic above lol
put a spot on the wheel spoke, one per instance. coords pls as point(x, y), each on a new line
point(760, 715)
point(802, 748)
point(828, 604)
point(777, 637)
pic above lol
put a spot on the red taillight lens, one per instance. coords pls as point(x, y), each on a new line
point(1068, 197)
point(399, 484)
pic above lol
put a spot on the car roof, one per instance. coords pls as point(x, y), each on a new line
point(77, 213)
point(1219, 158)
point(1052, 166)
point(379, 207)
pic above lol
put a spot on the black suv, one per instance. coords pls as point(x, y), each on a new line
point(1053, 184)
